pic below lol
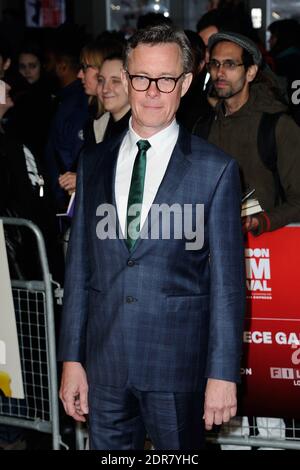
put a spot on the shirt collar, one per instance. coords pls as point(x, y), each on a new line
point(157, 139)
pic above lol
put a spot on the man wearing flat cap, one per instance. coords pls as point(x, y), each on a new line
point(245, 100)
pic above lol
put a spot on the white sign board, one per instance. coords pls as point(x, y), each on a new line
point(11, 383)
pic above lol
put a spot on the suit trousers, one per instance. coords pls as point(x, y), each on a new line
point(120, 418)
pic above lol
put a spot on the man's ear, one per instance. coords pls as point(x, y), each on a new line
point(186, 83)
point(251, 73)
point(124, 80)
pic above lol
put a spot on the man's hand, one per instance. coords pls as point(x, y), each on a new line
point(67, 181)
point(73, 390)
point(220, 402)
point(249, 223)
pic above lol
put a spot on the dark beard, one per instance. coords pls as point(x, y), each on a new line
point(225, 94)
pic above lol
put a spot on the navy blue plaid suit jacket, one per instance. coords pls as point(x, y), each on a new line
point(160, 317)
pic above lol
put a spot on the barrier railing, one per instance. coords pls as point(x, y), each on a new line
point(33, 303)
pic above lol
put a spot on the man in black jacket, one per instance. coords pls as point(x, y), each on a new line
point(245, 97)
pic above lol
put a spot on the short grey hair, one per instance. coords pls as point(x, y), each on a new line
point(162, 34)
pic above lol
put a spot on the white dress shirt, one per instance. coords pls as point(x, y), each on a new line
point(158, 156)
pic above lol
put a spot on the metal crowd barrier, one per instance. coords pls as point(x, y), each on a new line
point(241, 433)
point(81, 436)
point(244, 433)
point(33, 302)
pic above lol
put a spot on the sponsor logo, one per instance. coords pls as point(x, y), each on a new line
point(258, 273)
point(81, 135)
point(286, 373)
point(246, 371)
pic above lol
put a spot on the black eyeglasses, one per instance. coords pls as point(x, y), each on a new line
point(163, 84)
point(227, 64)
point(85, 67)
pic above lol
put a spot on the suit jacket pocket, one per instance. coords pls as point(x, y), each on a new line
point(188, 303)
point(95, 301)
point(187, 319)
point(183, 338)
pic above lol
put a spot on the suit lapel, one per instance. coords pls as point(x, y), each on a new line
point(108, 172)
point(176, 170)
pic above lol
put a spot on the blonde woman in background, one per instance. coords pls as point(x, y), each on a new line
point(92, 56)
point(113, 97)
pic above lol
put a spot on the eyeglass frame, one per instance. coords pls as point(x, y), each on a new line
point(85, 67)
point(217, 64)
point(175, 80)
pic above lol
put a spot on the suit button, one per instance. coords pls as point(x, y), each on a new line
point(130, 263)
point(129, 299)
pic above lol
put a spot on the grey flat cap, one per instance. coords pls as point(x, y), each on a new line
point(238, 39)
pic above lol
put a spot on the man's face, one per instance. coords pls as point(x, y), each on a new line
point(272, 41)
point(153, 110)
point(230, 82)
point(205, 34)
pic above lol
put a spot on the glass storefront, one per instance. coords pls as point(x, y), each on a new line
point(123, 14)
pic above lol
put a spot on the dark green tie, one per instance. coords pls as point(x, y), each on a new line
point(136, 191)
